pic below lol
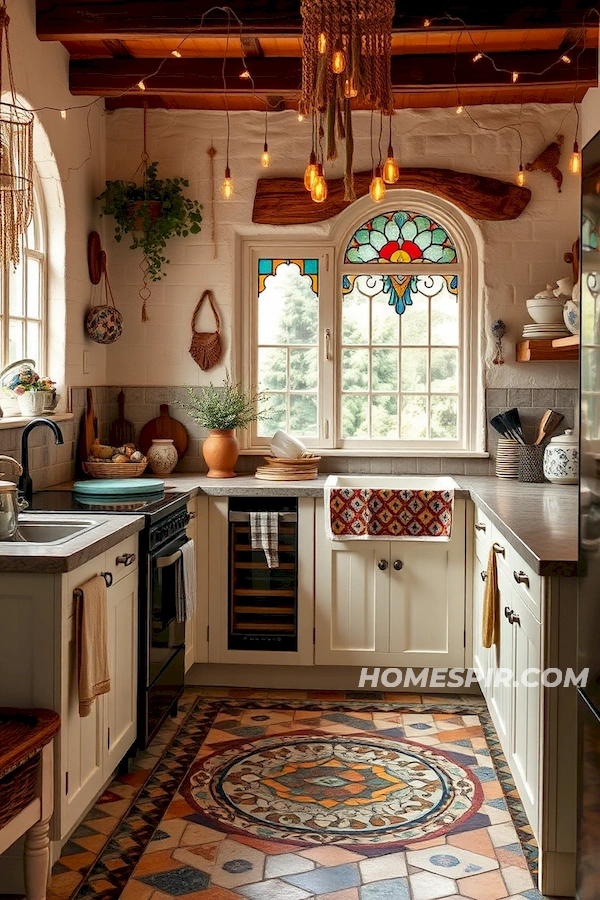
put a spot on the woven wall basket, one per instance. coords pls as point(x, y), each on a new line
point(206, 345)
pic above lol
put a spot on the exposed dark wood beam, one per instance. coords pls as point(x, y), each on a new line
point(110, 77)
point(72, 19)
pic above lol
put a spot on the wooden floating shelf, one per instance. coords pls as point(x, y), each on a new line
point(566, 348)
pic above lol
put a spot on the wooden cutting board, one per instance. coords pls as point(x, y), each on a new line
point(121, 430)
point(164, 427)
point(89, 428)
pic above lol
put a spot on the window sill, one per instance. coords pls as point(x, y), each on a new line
point(365, 453)
point(21, 421)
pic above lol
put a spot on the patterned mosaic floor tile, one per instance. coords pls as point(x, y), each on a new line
point(327, 824)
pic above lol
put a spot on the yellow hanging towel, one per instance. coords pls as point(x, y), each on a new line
point(491, 614)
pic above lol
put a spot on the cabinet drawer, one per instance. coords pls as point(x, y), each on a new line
point(526, 582)
point(119, 558)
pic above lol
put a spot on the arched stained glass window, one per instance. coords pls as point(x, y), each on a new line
point(400, 237)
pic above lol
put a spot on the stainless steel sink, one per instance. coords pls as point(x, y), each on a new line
point(52, 529)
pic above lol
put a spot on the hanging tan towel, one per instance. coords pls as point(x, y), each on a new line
point(206, 345)
point(92, 643)
point(491, 613)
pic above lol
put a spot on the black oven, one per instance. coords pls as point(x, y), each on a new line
point(161, 636)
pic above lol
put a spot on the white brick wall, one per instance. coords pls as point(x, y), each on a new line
point(520, 256)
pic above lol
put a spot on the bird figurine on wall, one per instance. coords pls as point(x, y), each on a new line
point(548, 159)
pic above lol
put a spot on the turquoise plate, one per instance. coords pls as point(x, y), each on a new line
point(103, 487)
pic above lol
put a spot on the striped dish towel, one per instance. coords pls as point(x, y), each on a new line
point(264, 535)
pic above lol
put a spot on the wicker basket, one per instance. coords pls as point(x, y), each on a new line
point(115, 470)
point(23, 733)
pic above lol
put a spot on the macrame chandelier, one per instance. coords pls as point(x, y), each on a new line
point(346, 56)
point(16, 162)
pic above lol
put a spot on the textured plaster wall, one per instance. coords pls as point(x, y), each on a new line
point(520, 256)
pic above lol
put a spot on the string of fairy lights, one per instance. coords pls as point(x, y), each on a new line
point(385, 172)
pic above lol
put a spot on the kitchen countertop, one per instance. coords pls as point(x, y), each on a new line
point(68, 555)
point(539, 520)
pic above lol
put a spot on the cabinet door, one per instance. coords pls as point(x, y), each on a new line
point(120, 718)
point(427, 599)
point(526, 734)
point(190, 625)
point(483, 658)
point(352, 601)
point(81, 756)
point(500, 688)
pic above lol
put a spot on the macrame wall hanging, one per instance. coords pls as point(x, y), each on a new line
point(205, 348)
point(16, 160)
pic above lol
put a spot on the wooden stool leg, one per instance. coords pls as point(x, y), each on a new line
point(37, 861)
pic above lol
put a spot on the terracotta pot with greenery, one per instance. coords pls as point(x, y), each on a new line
point(222, 410)
point(152, 212)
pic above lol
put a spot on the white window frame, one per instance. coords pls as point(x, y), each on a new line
point(39, 252)
point(329, 250)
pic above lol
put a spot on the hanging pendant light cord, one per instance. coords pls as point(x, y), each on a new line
point(213, 224)
point(144, 291)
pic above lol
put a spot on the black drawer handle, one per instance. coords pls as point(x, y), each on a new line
point(511, 615)
point(483, 576)
point(479, 526)
point(192, 515)
point(126, 560)
point(398, 564)
point(498, 548)
point(382, 564)
point(108, 578)
point(521, 578)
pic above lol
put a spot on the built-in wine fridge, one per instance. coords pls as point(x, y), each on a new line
point(263, 601)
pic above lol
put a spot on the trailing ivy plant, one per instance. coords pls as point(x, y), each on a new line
point(133, 205)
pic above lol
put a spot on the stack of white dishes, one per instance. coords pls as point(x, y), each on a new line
point(548, 332)
point(507, 458)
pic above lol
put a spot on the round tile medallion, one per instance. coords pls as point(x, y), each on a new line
point(315, 789)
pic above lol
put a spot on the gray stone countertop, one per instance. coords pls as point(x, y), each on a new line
point(64, 557)
point(539, 520)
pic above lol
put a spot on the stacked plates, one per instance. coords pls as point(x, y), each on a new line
point(535, 332)
point(281, 469)
point(507, 458)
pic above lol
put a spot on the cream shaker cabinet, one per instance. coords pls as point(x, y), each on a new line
point(390, 603)
point(38, 668)
point(535, 724)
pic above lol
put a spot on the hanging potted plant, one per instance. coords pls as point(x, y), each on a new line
point(151, 212)
point(221, 410)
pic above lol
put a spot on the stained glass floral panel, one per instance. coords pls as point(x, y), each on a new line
point(400, 237)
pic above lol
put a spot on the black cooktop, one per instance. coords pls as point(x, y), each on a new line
point(152, 505)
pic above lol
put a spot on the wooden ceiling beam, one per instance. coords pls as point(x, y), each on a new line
point(110, 77)
point(76, 20)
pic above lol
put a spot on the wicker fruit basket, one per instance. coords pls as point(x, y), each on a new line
point(115, 470)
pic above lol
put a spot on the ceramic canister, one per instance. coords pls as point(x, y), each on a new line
point(162, 456)
point(561, 459)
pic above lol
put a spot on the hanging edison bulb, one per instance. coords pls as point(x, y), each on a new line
point(319, 188)
point(350, 89)
point(322, 44)
point(311, 172)
point(521, 176)
point(377, 186)
point(265, 156)
point(227, 185)
point(391, 169)
point(575, 161)
point(338, 62)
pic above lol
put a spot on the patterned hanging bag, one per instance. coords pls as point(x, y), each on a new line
point(206, 345)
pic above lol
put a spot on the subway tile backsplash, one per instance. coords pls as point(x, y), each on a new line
point(51, 464)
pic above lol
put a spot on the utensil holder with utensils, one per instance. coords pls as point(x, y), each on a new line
point(514, 457)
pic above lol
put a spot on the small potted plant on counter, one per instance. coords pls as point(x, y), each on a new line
point(221, 410)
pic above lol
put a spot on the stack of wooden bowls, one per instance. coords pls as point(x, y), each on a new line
point(281, 469)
